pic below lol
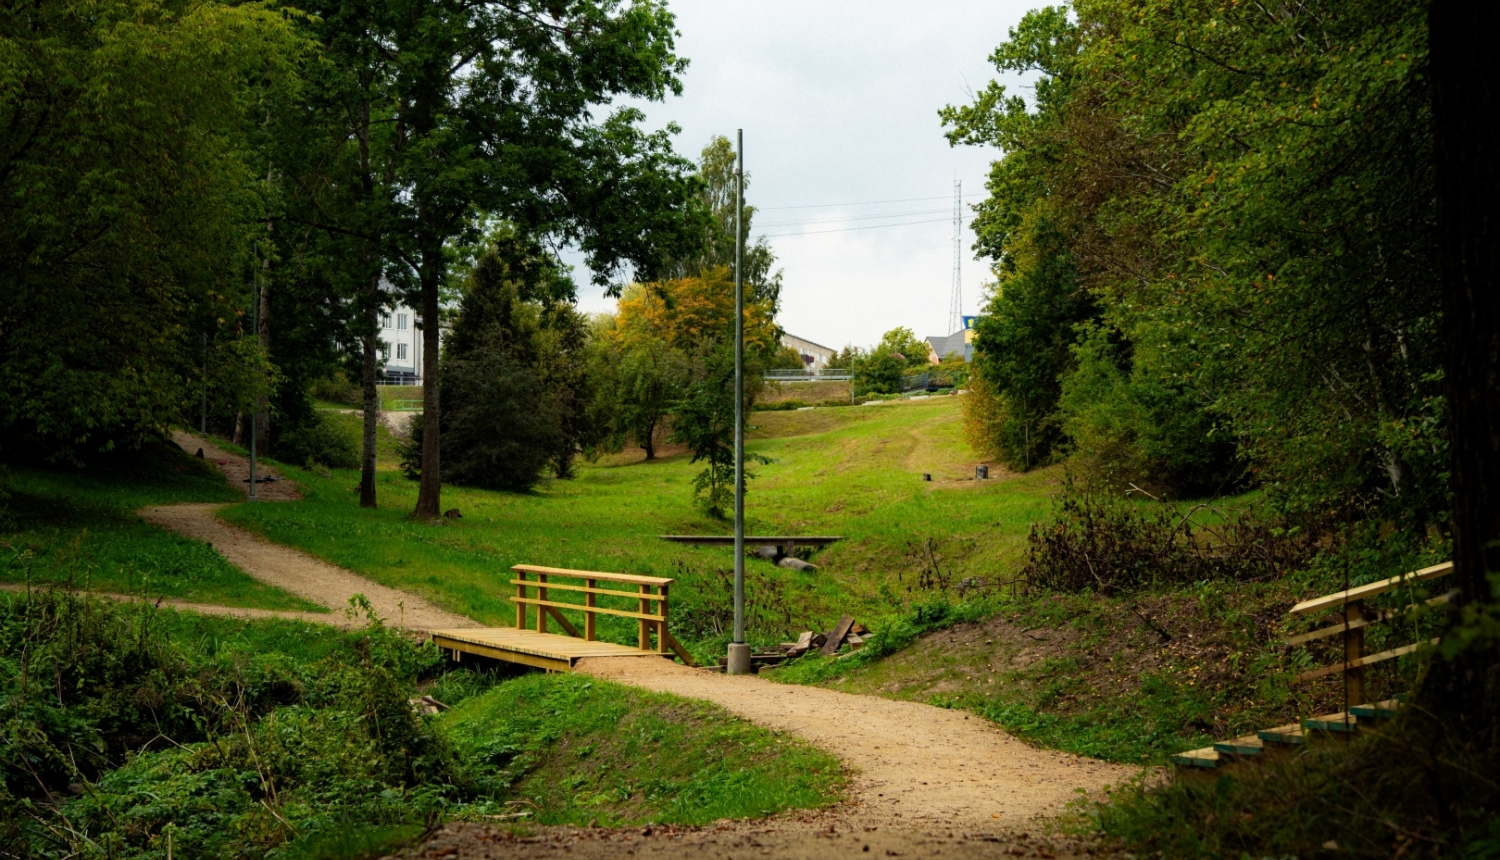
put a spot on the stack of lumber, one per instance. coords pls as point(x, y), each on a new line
point(846, 632)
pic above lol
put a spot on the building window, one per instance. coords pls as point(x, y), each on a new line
point(401, 321)
point(385, 352)
point(401, 352)
point(385, 320)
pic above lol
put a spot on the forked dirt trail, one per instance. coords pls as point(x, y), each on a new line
point(916, 765)
point(927, 782)
point(285, 568)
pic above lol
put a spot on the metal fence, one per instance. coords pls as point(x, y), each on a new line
point(829, 374)
point(932, 380)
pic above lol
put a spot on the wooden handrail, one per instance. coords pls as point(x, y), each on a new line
point(592, 574)
point(649, 621)
point(1352, 629)
point(601, 610)
point(629, 595)
point(1366, 591)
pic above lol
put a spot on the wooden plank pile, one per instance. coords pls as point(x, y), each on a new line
point(846, 632)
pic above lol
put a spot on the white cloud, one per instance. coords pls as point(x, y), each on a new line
point(839, 105)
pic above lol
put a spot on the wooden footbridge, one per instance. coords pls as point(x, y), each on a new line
point(1359, 713)
point(558, 652)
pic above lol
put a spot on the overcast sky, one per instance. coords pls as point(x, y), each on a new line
point(839, 102)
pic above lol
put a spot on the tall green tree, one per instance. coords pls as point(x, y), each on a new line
point(495, 112)
point(1249, 206)
point(717, 175)
point(128, 197)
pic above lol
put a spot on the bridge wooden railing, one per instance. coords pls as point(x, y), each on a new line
point(1356, 619)
point(1352, 629)
point(651, 606)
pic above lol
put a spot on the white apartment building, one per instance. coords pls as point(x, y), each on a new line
point(401, 345)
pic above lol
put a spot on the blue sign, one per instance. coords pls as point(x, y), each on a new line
point(969, 322)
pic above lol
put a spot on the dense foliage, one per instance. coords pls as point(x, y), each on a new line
point(128, 197)
point(1213, 235)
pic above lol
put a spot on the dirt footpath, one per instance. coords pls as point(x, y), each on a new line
point(297, 572)
point(337, 619)
point(914, 765)
point(926, 782)
point(802, 838)
point(285, 568)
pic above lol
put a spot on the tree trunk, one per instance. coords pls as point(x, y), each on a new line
point(373, 305)
point(1464, 692)
point(429, 496)
point(649, 442)
point(263, 334)
point(372, 407)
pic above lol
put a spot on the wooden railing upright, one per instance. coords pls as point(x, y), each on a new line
point(651, 612)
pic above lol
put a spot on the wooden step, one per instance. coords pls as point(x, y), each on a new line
point(1249, 745)
point(1290, 734)
point(1206, 757)
point(1340, 722)
point(1376, 710)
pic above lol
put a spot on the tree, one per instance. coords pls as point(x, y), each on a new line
point(649, 377)
point(489, 109)
point(1462, 689)
point(717, 173)
point(1252, 215)
point(127, 203)
point(905, 346)
point(704, 421)
point(515, 358)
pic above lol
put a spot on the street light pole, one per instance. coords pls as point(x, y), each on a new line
point(739, 651)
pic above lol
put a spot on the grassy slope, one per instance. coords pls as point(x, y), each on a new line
point(79, 527)
point(853, 471)
point(586, 750)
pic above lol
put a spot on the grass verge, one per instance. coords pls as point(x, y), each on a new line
point(64, 526)
point(583, 751)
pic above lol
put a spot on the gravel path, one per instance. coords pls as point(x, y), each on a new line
point(283, 567)
point(915, 765)
point(926, 782)
point(297, 572)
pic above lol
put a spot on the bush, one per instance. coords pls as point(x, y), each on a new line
point(328, 439)
point(878, 373)
point(1115, 546)
point(337, 388)
point(238, 752)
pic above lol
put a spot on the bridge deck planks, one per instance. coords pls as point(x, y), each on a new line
point(530, 648)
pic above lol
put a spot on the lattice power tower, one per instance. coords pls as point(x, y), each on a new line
point(956, 308)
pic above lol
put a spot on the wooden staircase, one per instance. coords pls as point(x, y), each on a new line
point(1342, 724)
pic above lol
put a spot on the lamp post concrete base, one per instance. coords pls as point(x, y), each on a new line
point(739, 659)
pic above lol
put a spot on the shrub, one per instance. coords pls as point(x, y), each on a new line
point(1115, 546)
point(329, 439)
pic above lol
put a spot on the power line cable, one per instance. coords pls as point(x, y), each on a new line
point(861, 203)
point(858, 218)
point(865, 227)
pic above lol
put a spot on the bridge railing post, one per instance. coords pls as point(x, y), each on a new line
point(588, 611)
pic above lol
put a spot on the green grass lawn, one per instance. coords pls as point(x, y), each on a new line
point(79, 527)
point(855, 472)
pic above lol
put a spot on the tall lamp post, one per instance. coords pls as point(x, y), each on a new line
point(739, 650)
